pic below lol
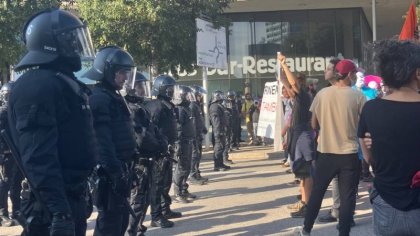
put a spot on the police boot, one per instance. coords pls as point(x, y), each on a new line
point(196, 181)
point(162, 222)
point(169, 214)
point(202, 178)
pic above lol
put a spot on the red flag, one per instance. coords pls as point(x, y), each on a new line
point(409, 29)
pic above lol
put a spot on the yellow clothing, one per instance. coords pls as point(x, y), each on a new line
point(245, 110)
point(337, 110)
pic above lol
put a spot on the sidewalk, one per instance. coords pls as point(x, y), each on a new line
point(250, 199)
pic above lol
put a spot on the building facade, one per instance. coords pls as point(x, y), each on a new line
point(308, 35)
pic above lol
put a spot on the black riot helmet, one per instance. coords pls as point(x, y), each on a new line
point(140, 90)
point(55, 35)
point(163, 85)
point(231, 95)
point(113, 66)
point(217, 96)
point(5, 91)
point(198, 92)
point(182, 94)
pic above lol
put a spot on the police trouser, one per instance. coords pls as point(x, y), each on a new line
point(219, 146)
point(166, 200)
point(36, 222)
point(113, 213)
point(10, 180)
point(183, 167)
point(156, 188)
point(236, 132)
point(197, 151)
point(140, 197)
point(227, 144)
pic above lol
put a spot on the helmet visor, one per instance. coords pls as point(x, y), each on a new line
point(125, 78)
point(76, 42)
point(142, 89)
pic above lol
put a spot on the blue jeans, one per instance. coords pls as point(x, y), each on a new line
point(388, 221)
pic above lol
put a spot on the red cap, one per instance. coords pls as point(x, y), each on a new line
point(345, 66)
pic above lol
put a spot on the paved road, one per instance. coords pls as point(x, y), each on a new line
point(250, 199)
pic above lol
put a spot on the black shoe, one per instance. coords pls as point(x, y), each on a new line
point(327, 218)
point(202, 178)
point(226, 167)
point(219, 169)
point(142, 229)
point(162, 222)
point(190, 196)
point(299, 214)
point(352, 224)
point(181, 198)
point(172, 214)
point(196, 181)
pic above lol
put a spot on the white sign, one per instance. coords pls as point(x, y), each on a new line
point(267, 120)
point(211, 45)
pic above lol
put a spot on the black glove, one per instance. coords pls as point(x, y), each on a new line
point(204, 131)
point(62, 225)
point(120, 186)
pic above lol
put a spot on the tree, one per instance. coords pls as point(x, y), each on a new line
point(158, 33)
point(13, 14)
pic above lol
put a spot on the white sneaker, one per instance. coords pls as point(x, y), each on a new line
point(298, 231)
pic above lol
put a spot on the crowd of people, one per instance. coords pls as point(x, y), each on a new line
point(67, 147)
point(320, 138)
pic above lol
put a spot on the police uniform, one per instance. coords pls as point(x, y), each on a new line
point(218, 121)
point(150, 145)
point(51, 121)
point(200, 129)
point(10, 177)
point(186, 135)
point(163, 116)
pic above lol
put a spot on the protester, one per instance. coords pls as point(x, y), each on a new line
point(333, 213)
point(247, 110)
point(337, 118)
point(301, 146)
point(394, 152)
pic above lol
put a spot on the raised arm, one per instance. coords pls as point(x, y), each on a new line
point(291, 78)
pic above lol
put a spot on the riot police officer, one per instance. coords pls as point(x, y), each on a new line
point(10, 176)
point(184, 144)
point(218, 122)
point(51, 123)
point(227, 109)
point(115, 136)
point(234, 111)
point(200, 130)
point(150, 143)
point(163, 115)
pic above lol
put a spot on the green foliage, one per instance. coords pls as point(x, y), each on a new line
point(13, 14)
point(160, 33)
